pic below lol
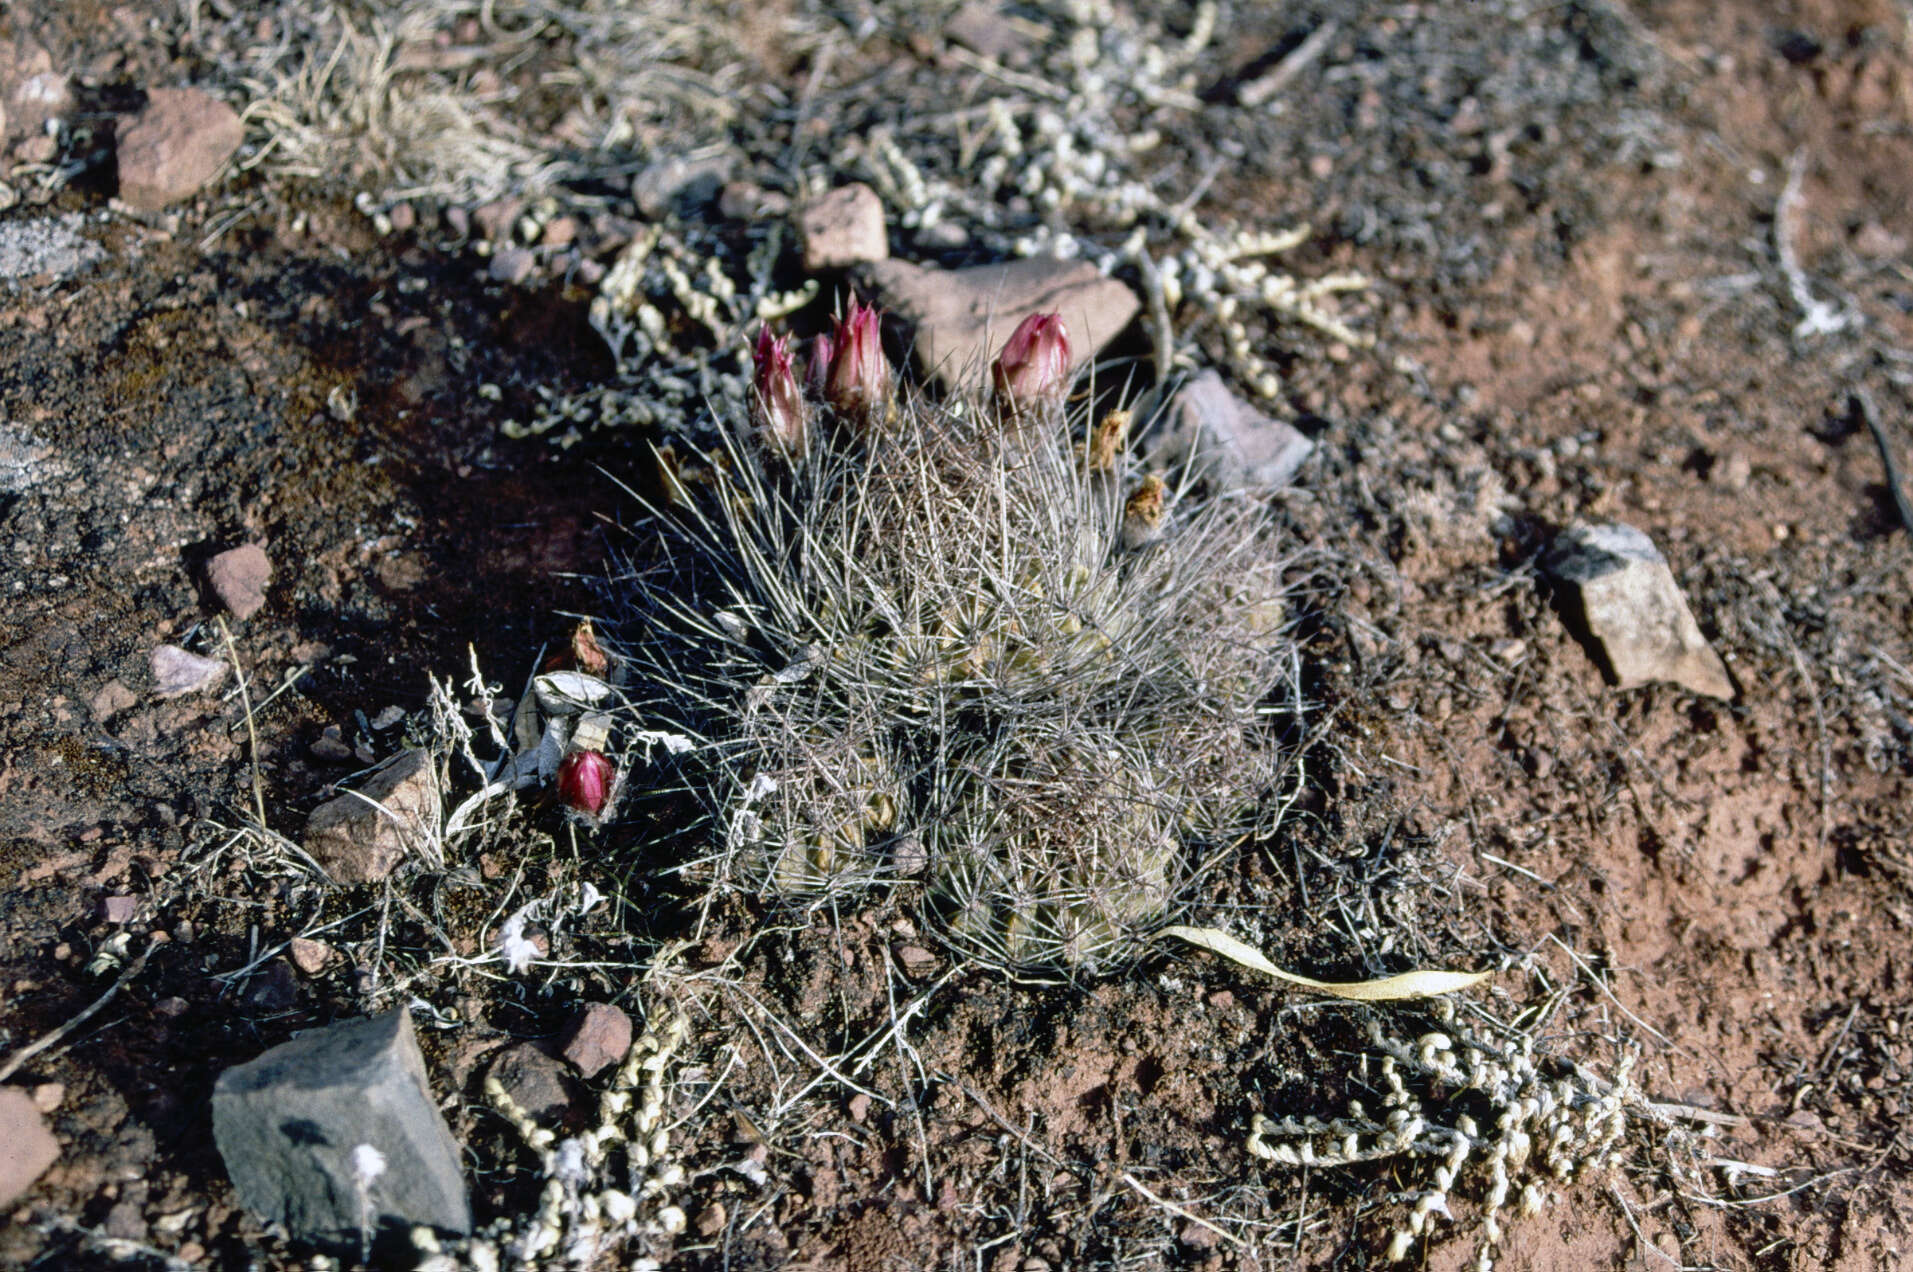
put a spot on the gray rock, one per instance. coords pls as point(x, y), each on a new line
point(238, 577)
point(27, 1148)
point(175, 146)
point(512, 265)
point(1625, 595)
point(680, 182)
point(357, 841)
point(963, 316)
point(845, 227)
point(50, 245)
point(290, 1123)
point(1230, 443)
point(178, 672)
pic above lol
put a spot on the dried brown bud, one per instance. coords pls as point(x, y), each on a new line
point(1144, 512)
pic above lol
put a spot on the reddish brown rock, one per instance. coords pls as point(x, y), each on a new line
point(27, 1148)
point(843, 228)
point(238, 577)
point(362, 836)
point(175, 146)
point(538, 1084)
point(599, 1037)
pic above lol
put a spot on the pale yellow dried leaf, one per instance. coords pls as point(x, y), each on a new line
point(1416, 984)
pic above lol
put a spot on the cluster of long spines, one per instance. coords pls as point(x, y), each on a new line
point(928, 623)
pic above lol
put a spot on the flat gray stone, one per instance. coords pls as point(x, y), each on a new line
point(356, 841)
point(290, 1123)
point(1233, 445)
point(1634, 610)
point(962, 316)
point(49, 245)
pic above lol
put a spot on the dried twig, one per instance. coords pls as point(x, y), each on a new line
point(1895, 479)
point(1264, 87)
point(53, 1036)
point(1818, 318)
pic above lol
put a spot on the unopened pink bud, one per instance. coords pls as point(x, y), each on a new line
point(822, 351)
point(1034, 364)
point(858, 382)
point(584, 780)
point(778, 410)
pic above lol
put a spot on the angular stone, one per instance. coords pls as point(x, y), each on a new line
point(357, 841)
point(238, 577)
point(986, 29)
point(1625, 595)
point(680, 183)
point(538, 1084)
point(1231, 444)
point(113, 697)
point(178, 672)
point(173, 147)
point(599, 1036)
point(843, 228)
point(27, 1148)
point(963, 316)
point(31, 91)
point(310, 956)
point(289, 1123)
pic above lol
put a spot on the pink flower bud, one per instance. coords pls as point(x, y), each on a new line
point(778, 410)
point(822, 350)
point(584, 780)
point(858, 382)
point(1034, 364)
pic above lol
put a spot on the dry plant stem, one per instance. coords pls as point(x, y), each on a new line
point(53, 1036)
point(1895, 479)
point(1263, 88)
point(1183, 1213)
point(252, 733)
point(1817, 316)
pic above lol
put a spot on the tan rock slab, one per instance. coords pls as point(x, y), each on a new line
point(362, 836)
point(27, 1148)
point(962, 317)
point(1624, 593)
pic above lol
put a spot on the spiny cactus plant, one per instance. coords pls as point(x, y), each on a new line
point(923, 647)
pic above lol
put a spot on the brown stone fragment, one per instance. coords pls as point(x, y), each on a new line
point(175, 146)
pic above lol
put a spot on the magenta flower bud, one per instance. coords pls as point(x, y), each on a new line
point(584, 780)
point(1034, 365)
point(779, 413)
point(858, 382)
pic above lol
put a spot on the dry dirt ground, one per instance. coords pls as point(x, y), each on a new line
point(1569, 214)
